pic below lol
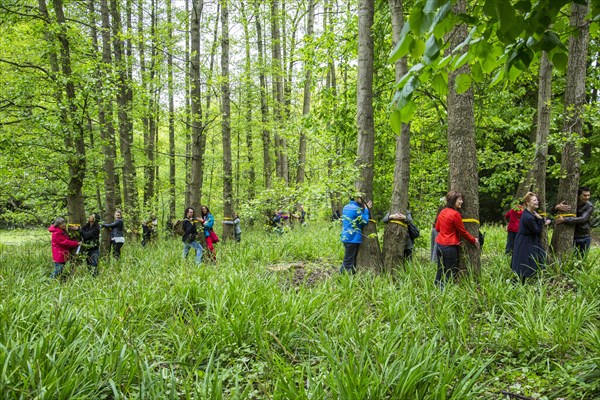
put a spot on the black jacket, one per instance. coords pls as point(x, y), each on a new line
point(116, 228)
point(190, 231)
point(582, 220)
point(90, 236)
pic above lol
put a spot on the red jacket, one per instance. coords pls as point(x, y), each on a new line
point(61, 244)
point(513, 216)
point(450, 227)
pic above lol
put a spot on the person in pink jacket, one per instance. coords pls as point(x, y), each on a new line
point(61, 245)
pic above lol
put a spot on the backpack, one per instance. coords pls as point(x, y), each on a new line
point(178, 227)
point(413, 231)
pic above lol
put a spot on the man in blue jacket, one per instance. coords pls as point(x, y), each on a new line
point(354, 218)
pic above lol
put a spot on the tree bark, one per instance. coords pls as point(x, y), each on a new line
point(301, 173)
point(562, 239)
point(396, 235)
point(462, 152)
point(369, 253)
point(249, 96)
point(171, 91)
point(228, 232)
point(124, 101)
point(196, 117)
point(264, 108)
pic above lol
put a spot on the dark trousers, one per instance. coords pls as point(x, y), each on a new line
point(116, 249)
point(582, 244)
point(510, 242)
point(349, 263)
point(91, 258)
point(447, 264)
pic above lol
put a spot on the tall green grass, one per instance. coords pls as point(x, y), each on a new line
point(155, 326)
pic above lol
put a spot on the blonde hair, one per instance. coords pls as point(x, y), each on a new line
point(528, 196)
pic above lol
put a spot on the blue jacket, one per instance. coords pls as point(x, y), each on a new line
point(354, 218)
point(209, 222)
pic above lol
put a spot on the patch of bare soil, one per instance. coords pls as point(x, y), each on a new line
point(307, 273)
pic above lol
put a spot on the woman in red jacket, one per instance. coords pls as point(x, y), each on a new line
point(450, 227)
point(61, 245)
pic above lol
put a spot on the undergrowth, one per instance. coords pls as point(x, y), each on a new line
point(273, 319)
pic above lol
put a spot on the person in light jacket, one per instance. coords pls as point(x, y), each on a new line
point(236, 226)
point(117, 238)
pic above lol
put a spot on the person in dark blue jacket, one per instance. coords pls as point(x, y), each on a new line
point(355, 217)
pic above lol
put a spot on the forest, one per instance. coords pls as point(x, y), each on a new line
point(251, 107)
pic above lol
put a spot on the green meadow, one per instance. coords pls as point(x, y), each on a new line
point(272, 319)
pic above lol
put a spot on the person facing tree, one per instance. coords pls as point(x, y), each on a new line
point(117, 239)
point(61, 245)
point(583, 230)
point(451, 228)
point(190, 235)
point(355, 217)
point(90, 235)
point(209, 222)
point(513, 216)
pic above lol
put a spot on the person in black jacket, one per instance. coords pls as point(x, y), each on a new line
point(190, 236)
point(117, 239)
point(90, 243)
point(583, 228)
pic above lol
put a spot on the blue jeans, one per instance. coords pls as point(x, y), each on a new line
point(196, 246)
point(582, 244)
point(92, 260)
point(58, 268)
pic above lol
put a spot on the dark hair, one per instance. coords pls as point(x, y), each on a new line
point(207, 210)
point(186, 212)
point(583, 189)
point(452, 197)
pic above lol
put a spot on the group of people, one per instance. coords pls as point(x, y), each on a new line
point(191, 237)
point(523, 242)
point(89, 245)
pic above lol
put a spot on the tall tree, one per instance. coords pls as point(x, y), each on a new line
point(562, 239)
point(396, 234)
point(462, 152)
point(124, 101)
point(369, 253)
point(249, 104)
point(225, 123)
point(171, 95)
point(196, 109)
point(264, 108)
point(308, 43)
point(73, 131)
point(281, 161)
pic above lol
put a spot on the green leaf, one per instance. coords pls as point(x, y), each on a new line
point(403, 46)
point(419, 21)
point(560, 60)
point(396, 121)
point(460, 61)
point(550, 40)
point(523, 6)
point(498, 78)
point(432, 49)
point(431, 6)
point(444, 61)
point(439, 83)
point(477, 72)
point(408, 111)
point(417, 48)
point(462, 83)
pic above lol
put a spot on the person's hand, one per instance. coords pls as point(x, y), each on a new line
point(562, 206)
point(548, 221)
point(477, 243)
point(369, 204)
point(559, 220)
point(79, 243)
point(398, 217)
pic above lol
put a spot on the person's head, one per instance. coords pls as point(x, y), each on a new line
point(60, 223)
point(205, 210)
point(91, 219)
point(531, 201)
point(189, 213)
point(118, 214)
point(454, 199)
point(583, 194)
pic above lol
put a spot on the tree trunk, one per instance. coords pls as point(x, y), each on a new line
point(369, 253)
point(225, 121)
point(562, 240)
point(462, 152)
point(301, 173)
point(535, 180)
point(196, 117)
point(278, 95)
point(124, 101)
point(71, 124)
point(396, 235)
point(248, 102)
point(264, 110)
point(188, 110)
point(171, 90)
